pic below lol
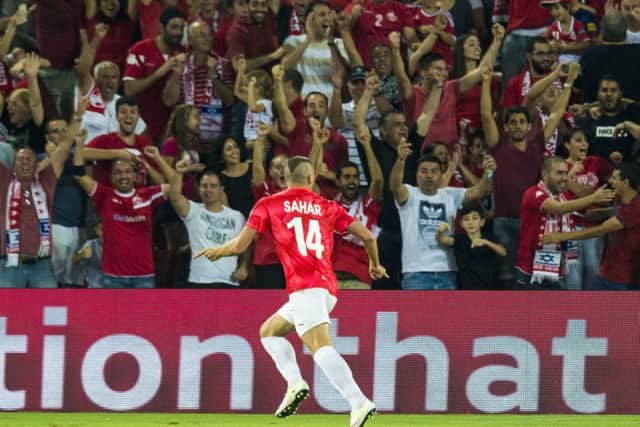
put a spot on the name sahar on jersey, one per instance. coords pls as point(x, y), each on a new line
point(303, 207)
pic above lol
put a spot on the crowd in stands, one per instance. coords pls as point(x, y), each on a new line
point(487, 144)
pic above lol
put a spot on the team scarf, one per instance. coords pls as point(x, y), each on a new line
point(189, 85)
point(12, 220)
point(356, 211)
point(550, 261)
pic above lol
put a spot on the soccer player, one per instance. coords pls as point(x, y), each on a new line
point(303, 224)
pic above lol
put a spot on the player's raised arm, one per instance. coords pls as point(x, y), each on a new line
point(376, 270)
point(235, 246)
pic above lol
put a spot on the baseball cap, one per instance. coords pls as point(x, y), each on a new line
point(358, 73)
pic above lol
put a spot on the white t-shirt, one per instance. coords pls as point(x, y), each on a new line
point(372, 120)
point(252, 119)
point(315, 64)
point(420, 218)
point(212, 229)
point(100, 117)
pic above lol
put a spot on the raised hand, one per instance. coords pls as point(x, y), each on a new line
point(395, 40)
point(100, 30)
point(498, 32)
point(487, 73)
point(278, 72)
point(321, 136)
point(404, 149)
point(81, 137)
point(489, 164)
point(363, 135)
point(574, 71)
point(83, 104)
point(151, 152)
point(372, 81)
point(314, 124)
point(212, 64)
point(31, 65)
point(263, 130)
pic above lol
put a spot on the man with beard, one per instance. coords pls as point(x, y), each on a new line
point(300, 133)
point(540, 58)
point(254, 37)
point(422, 210)
point(147, 69)
point(614, 134)
point(123, 144)
point(100, 89)
point(619, 269)
point(350, 261)
point(126, 213)
point(519, 152)
point(546, 210)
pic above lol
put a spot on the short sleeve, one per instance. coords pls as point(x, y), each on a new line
point(343, 219)
point(193, 209)
point(153, 193)
point(134, 68)
point(457, 194)
point(405, 15)
point(534, 200)
point(259, 217)
point(410, 199)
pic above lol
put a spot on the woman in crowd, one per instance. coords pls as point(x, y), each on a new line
point(235, 175)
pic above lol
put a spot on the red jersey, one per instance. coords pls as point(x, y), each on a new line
point(377, 21)
point(531, 224)
point(527, 14)
point(349, 253)
point(144, 59)
point(263, 251)
point(302, 224)
point(575, 32)
point(420, 18)
point(619, 262)
point(517, 88)
point(116, 42)
point(594, 171)
point(112, 141)
point(126, 221)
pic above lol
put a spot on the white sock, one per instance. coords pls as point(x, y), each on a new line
point(284, 356)
point(339, 373)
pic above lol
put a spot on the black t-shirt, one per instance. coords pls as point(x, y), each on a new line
point(239, 192)
point(27, 135)
point(602, 141)
point(477, 267)
point(387, 155)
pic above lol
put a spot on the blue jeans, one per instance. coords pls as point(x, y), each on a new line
point(583, 273)
point(128, 282)
point(36, 275)
point(445, 280)
point(605, 285)
point(507, 232)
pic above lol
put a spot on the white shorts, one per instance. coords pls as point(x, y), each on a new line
point(308, 308)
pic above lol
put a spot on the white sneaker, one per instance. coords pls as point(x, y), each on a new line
point(363, 413)
point(292, 399)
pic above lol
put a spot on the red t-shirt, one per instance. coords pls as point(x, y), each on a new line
point(575, 32)
point(349, 253)
point(377, 21)
point(444, 127)
point(517, 170)
point(531, 224)
point(527, 14)
point(252, 40)
point(116, 42)
point(126, 223)
point(58, 23)
point(420, 17)
point(303, 224)
point(594, 171)
point(144, 58)
point(112, 141)
point(29, 223)
point(468, 103)
point(264, 252)
point(620, 260)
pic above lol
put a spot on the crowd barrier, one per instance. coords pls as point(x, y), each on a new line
point(411, 351)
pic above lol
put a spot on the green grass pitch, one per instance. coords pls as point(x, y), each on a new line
point(56, 419)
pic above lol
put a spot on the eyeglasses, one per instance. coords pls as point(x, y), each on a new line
point(58, 130)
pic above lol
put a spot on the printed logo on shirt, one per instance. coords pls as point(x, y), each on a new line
point(392, 16)
point(605, 131)
point(132, 59)
point(431, 215)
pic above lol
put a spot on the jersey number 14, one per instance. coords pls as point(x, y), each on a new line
point(309, 241)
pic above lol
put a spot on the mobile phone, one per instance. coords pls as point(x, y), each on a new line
point(565, 68)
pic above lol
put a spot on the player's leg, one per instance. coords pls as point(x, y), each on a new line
point(312, 308)
point(272, 333)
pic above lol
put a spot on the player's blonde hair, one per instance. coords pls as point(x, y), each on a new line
point(298, 170)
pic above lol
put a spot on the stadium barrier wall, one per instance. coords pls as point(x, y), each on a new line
point(413, 352)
